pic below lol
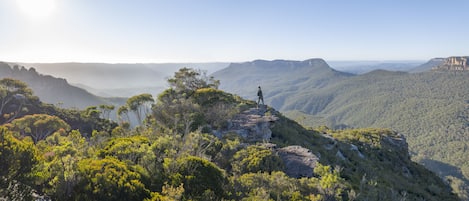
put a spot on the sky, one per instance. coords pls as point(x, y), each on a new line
point(158, 31)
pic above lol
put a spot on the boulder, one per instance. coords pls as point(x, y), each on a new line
point(299, 161)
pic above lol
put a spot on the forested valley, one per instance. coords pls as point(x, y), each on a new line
point(430, 107)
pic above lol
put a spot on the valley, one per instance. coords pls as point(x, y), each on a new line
point(414, 103)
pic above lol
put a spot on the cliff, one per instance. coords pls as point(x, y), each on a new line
point(454, 64)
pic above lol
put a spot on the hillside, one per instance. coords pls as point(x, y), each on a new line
point(432, 63)
point(361, 67)
point(209, 145)
point(430, 108)
point(120, 79)
point(55, 90)
point(280, 78)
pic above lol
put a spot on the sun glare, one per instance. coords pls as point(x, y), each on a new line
point(36, 9)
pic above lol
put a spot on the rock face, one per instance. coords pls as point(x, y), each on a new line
point(252, 124)
point(299, 161)
point(454, 63)
point(397, 142)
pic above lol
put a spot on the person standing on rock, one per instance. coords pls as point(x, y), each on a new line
point(260, 97)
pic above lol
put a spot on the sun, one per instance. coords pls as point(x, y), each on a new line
point(37, 9)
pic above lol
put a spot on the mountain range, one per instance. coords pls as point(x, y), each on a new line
point(228, 148)
point(55, 90)
point(119, 80)
point(431, 108)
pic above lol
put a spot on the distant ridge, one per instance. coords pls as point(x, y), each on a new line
point(455, 63)
point(54, 90)
point(430, 108)
point(429, 65)
point(119, 79)
point(459, 63)
point(280, 78)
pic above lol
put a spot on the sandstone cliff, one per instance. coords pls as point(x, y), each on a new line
point(252, 124)
point(454, 63)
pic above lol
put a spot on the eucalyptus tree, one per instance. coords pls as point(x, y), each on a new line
point(38, 126)
point(13, 96)
point(140, 105)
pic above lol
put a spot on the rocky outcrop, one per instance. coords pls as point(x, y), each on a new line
point(299, 161)
point(252, 124)
point(397, 142)
point(454, 63)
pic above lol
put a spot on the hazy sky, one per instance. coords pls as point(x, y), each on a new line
point(231, 30)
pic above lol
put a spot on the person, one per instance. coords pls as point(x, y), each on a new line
point(260, 97)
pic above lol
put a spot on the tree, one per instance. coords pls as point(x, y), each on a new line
point(188, 80)
point(38, 126)
point(330, 182)
point(123, 114)
point(131, 149)
point(17, 160)
point(106, 110)
point(61, 170)
point(266, 186)
point(201, 178)
point(13, 95)
point(177, 113)
point(140, 105)
point(109, 179)
point(256, 158)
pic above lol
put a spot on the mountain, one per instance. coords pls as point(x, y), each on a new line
point(428, 65)
point(361, 67)
point(55, 90)
point(430, 108)
point(119, 80)
point(454, 64)
point(222, 147)
point(280, 79)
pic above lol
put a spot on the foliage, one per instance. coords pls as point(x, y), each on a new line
point(264, 186)
point(59, 172)
point(14, 98)
point(256, 158)
point(140, 105)
point(38, 126)
point(330, 182)
point(193, 101)
point(17, 161)
point(187, 81)
point(200, 177)
point(172, 157)
point(106, 110)
point(109, 179)
point(131, 149)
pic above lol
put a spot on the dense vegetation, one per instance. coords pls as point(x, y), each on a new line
point(430, 108)
point(173, 155)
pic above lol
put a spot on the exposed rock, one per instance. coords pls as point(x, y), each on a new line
point(397, 142)
point(454, 63)
point(340, 155)
point(406, 172)
point(299, 161)
point(253, 125)
point(355, 149)
point(332, 143)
